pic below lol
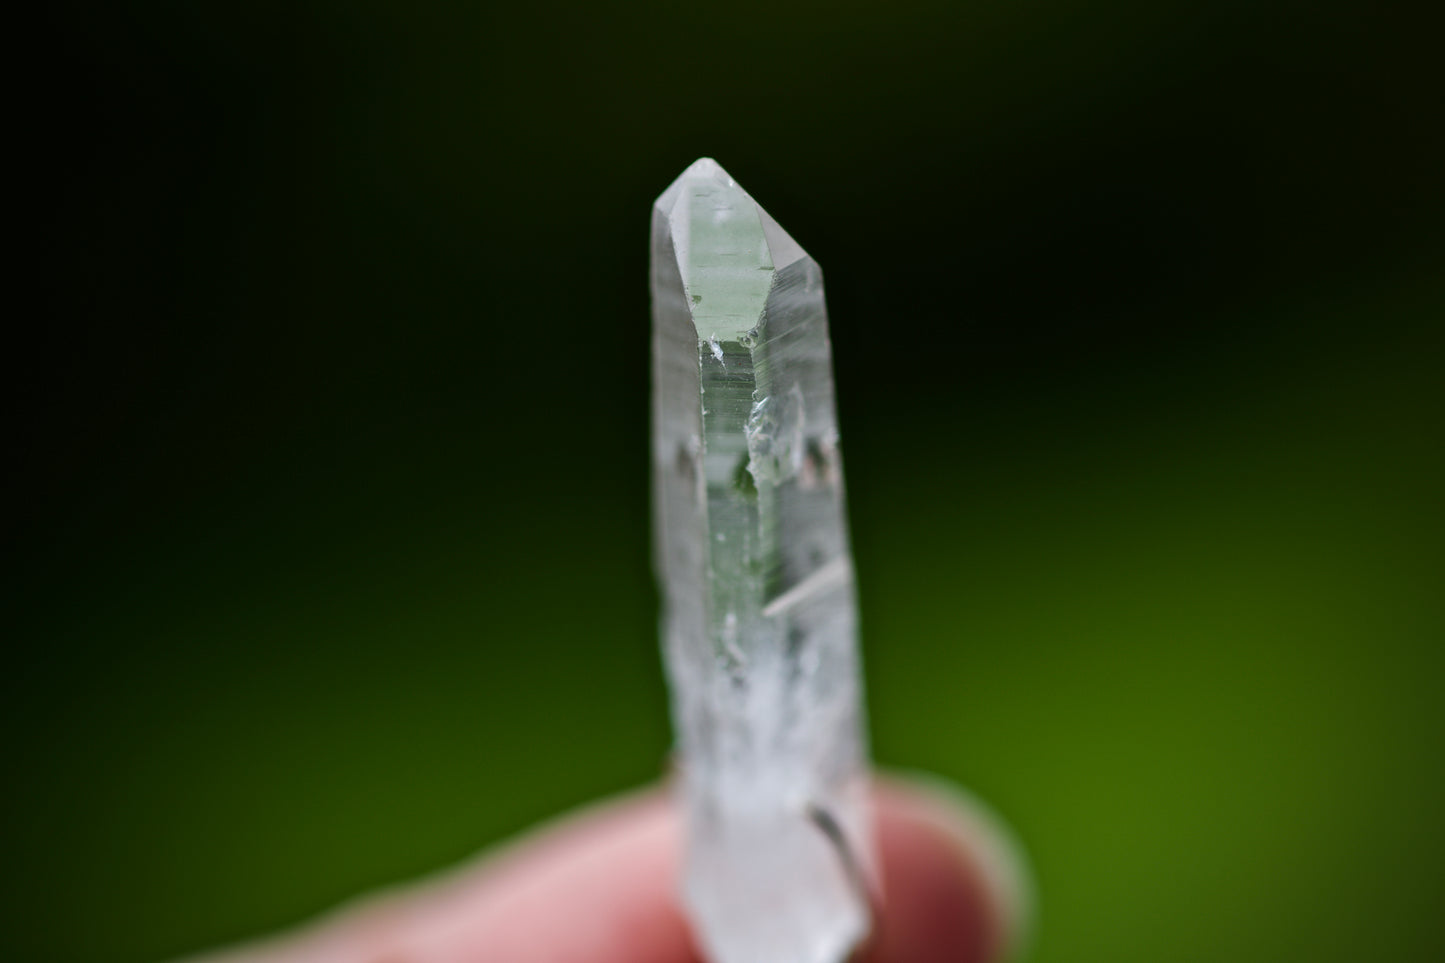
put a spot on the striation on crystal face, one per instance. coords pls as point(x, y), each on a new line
point(759, 618)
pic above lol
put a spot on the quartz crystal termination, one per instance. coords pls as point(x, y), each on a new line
point(759, 617)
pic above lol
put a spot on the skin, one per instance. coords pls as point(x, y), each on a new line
point(600, 887)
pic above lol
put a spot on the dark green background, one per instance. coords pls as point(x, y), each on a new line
point(327, 530)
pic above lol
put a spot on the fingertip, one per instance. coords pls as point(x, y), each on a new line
point(955, 883)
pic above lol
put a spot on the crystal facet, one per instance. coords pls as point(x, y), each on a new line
point(759, 618)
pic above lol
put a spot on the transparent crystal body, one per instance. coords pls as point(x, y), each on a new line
point(759, 617)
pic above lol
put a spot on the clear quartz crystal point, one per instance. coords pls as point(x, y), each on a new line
point(759, 620)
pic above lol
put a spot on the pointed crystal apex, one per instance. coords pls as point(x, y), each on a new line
point(783, 250)
point(722, 251)
point(702, 169)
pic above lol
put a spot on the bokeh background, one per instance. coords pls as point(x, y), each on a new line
point(327, 521)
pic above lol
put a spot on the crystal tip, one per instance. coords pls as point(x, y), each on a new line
point(702, 169)
point(784, 249)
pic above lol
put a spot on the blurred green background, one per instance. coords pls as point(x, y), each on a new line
point(327, 530)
